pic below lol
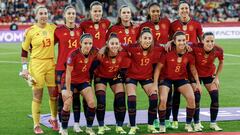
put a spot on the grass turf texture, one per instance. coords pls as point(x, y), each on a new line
point(16, 96)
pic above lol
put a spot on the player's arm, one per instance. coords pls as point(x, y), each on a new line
point(195, 75)
point(24, 54)
point(218, 71)
point(68, 77)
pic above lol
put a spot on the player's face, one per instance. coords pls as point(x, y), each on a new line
point(42, 16)
point(70, 15)
point(96, 13)
point(125, 14)
point(86, 45)
point(114, 45)
point(180, 42)
point(146, 40)
point(209, 42)
point(184, 10)
point(154, 13)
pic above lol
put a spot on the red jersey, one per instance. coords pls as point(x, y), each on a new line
point(141, 67)
point(174, 69)
point(81, 66)
point(108, 67)
point(205, 62)
point(99, 34)
point(67, 40)
point(159, 30)
point(193, 29)
point(125, 35)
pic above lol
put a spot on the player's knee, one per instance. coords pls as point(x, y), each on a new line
point(91, 104)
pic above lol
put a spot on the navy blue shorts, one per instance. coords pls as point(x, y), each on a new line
point(142, 82)
point(176, 83)
point(204, 80)
point(80, 86)
point(111, 81)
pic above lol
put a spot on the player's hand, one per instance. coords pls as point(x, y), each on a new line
point(66, 94)
point(168, 46)
point(189, 48)
point(216, 82)
point(198, 88)
point(25, 74)
point(153, 89)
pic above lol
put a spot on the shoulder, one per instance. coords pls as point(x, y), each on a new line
point(218, 48)
point(29, 30)
point(104, 20)
point(86, 22)
point(74, 53)
point(165, 20)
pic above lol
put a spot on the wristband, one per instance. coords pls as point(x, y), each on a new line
point(24, 66)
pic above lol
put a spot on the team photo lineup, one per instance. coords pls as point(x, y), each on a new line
point(168, 59)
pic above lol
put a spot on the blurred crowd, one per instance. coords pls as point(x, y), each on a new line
point(204, 11)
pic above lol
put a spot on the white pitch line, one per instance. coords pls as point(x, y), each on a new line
point(11, 62)
point(7, 53)
point(232, 55)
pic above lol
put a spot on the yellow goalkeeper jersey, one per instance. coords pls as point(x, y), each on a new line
point(40, 41)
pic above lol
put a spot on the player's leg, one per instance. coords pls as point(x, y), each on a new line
point(153, 103)
point(76, 106)
point(131, 85)
point(164, 88)
point(186, 90)
point(214, 106)
point(169, 109)
point(53, 93)
point(175, 107)
point(119, 104)
point(100, 88)
point(197, 95)
point(87, 93)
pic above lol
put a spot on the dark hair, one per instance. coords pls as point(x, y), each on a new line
point(183, 2)
point(94, 3)
point(119, 21)
point(112, 35)
point(85, 35)
point(207, 34)
point(178, 33)
point(146, 30)
point(149, 6)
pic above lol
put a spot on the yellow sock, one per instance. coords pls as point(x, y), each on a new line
point(36, 111)
point(53, 106)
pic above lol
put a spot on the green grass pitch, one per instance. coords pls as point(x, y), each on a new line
point(16, 96)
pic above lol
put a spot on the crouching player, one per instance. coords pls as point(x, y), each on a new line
point(175, 71)
point(206, 53)
point(77, 77)
point(107, 72)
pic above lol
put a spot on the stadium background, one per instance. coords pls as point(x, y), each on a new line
point(221, 17)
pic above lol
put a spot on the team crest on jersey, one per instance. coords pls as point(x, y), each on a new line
point(191, 28)
point(44, 33)
point(163, 26)
point(104, 26)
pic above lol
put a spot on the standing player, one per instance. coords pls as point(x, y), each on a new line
point(77, 77)
point(193, 30)
point(39, 39)
point(107, 72)
point(96, 26)
point(160, 28)
point(126, 31)
point(205, 55)
point(143, 56)
point(175, 69)
point(68, 38)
